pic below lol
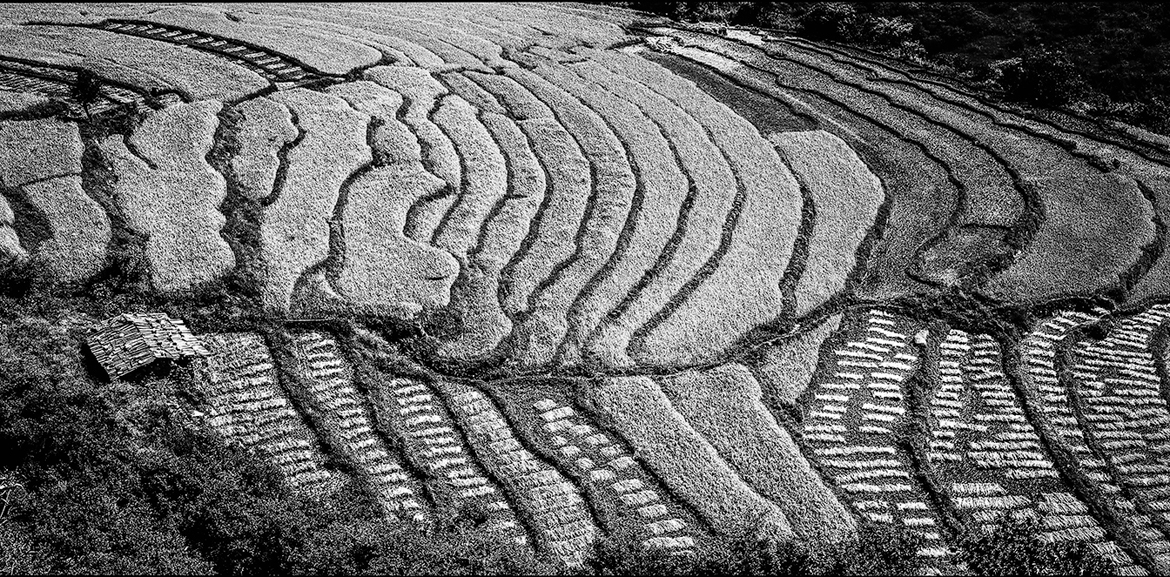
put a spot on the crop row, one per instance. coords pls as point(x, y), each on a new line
point(244, 403)
point(854, 413)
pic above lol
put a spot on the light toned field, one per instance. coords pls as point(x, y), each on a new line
point(725, 406)
point(478, 297)
point(715, 283)
point(697, 227)
point(846, 197)
point(786, 367)
point(596, 235)
point(130, 60)
point(9, 243)
point(383, 271)
point(294, 234)
point(171, 195)
point(756, 244)
point(43, 160)
point(264, 128)
point(670, 446)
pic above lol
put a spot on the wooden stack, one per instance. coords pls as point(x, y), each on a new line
point(131, 341)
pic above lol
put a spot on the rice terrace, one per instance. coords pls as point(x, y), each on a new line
point(590, 273)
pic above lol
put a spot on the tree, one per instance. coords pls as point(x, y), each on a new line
point(1042, 76)
point(87, 90)
point(827, 21)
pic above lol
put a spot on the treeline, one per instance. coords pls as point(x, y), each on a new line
point(1106, 60)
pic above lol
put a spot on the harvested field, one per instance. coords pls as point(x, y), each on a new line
point(627, 499)
point(9, 243)
point(169, 193)
point(854, 411)
point(244, 403)
point(558, 515)
point(325, 385)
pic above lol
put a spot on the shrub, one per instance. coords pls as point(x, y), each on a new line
point(1042, 76)
point(827, 21)
point(1014, 548)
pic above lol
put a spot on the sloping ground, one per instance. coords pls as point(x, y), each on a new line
point(677, 287)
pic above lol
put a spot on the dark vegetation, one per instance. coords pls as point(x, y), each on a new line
point(1102, 59)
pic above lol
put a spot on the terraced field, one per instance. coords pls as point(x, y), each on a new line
point(599, 273)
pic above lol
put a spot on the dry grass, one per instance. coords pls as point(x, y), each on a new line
point(374, 33)
point(846, 197)
point(923, 199)
point(172, 195)
point(725, 406)
point(637, 408)
point(81, 230)
point(294, 234)
point(522, 104)
point(264, 128)
point(20, 101)
point(384, 271)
